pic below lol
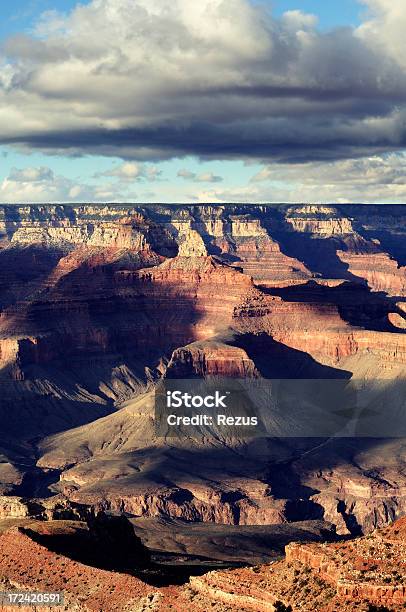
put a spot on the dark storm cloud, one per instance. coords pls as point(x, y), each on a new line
point(217, 79)
point(278, 139)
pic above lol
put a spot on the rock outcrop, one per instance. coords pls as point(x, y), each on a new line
point(357, 575)
point(13, 507)
point(210, 358)
point(29, 565)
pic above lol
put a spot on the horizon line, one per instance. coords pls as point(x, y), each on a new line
point(208, 203)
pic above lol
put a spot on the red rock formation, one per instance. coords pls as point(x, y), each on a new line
point(380, 271)
point(262, 258)
point(366, 568)
point(316, 328)
point(351, 576)
point(31, 566)
point(210, 359)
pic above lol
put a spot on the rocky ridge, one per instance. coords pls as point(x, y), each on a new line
point(353, 575)
point(360, 575)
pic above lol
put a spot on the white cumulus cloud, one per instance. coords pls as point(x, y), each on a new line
point(155, 79)
point(40, 184)
point(132, 171)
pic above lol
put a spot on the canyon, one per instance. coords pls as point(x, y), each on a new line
point(101, 303)
point(99, 563)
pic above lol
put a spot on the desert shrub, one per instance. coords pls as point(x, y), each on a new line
point(280, 607)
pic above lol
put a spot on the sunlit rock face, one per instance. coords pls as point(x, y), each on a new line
point(99, 303)
point(355, 576)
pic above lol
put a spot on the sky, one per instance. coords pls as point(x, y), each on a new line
point(209, 101)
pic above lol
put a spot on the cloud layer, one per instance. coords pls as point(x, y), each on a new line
point(377, 179)
point(41, 184)
point(155, 79)
point(373, 179)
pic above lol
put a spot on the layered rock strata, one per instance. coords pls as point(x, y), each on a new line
point(99, 303)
